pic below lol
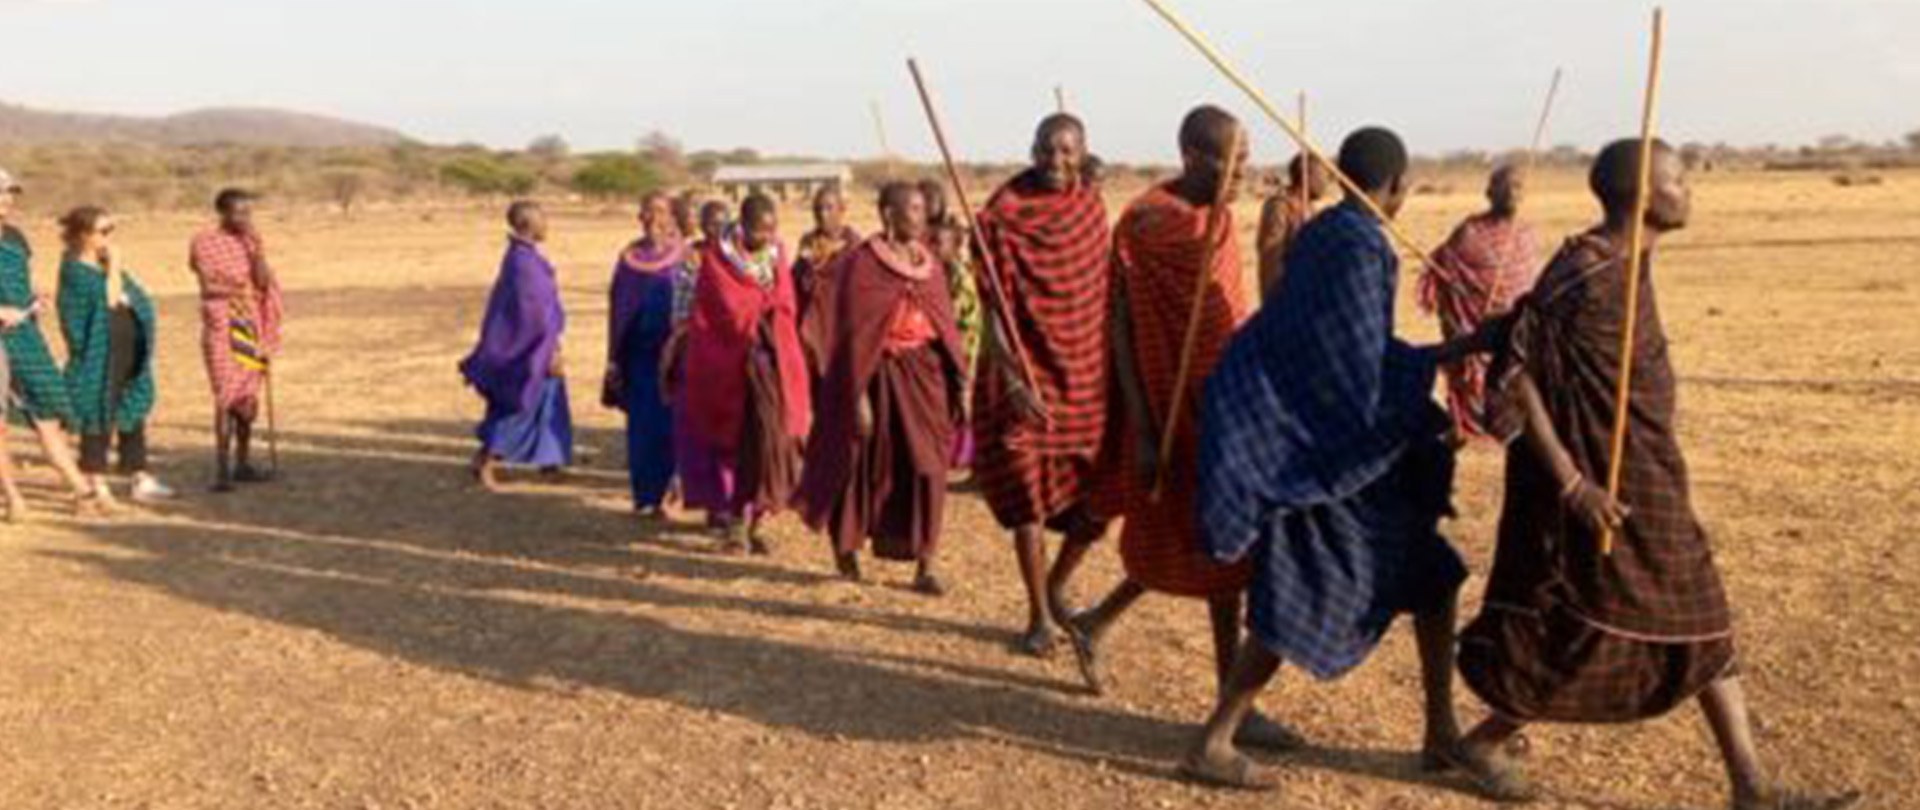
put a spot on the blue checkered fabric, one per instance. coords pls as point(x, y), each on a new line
point(1329, 580)
point(1315, 397)
point(1304, 459)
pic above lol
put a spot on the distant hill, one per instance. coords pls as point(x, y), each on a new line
point(249, 126)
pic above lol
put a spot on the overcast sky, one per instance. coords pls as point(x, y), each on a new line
point(799, 76)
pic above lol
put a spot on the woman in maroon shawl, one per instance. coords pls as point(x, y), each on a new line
point(746, 386)
point(877, 459)
point(831, 236)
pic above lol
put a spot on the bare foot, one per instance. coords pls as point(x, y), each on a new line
point(1086, 653)
point(733, 539)
point(485, 473)
point(93, 507)
point(1061, 611)
point(929, 585)
point(1493, 775)
point(1266, 734)
point(1039, 640)
point(1226, 769)
point(848, 564)
point(1783, 799)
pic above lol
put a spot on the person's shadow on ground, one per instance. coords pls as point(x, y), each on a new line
point(394, 551)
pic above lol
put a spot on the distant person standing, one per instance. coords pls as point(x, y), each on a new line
point(36, 391)
point(640, 322)
point(950, 247)
point(1282, 217)
point(518, 366)
point(240, 313)
point(110, 325)
point(1486, 265)
point(830, 237)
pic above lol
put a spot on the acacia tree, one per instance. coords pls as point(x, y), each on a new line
point(665, 155)
point(346, 187)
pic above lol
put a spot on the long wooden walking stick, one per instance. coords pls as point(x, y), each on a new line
point(273, 425)
point(1540, 127)
point(1496, 290)
point(1059, 98)
point(886, 150)
point(1273, 114)
point(1306, 168)
point(1217, 219)
point(1636, 240)
point(1009, 330)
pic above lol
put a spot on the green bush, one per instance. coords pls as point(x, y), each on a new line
point(616, 175)
point(483, 174)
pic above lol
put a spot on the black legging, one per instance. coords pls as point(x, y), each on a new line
point(123, 364)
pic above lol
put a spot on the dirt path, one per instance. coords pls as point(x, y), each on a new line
point(374, 634)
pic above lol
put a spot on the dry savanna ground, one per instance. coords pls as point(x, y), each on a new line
point(373, 633)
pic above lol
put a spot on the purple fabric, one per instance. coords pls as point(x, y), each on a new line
point(519, 334)
point(640, 321)
point(642, 268)
point(706, 477)
point(539, 437)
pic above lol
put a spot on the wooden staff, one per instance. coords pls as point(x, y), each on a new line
point(886, 151)
point(273, 424)
point(1059, 98)
point(1306, 169)
point(1217, 218)
point(1636, 239)
point(1273, 114)
point(1009, 330)
point(1495, 291)
point(1540, 128)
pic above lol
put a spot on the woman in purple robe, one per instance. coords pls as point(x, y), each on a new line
point(517, 365)
point(641, 319)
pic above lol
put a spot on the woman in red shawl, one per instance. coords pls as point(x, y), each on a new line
point(746, 390)
point(877, 460)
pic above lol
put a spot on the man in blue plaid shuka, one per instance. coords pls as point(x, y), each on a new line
point(1322, 457)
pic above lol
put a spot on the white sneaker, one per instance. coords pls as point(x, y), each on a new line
point(147, 489)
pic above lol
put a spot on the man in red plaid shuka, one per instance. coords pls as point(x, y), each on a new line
point(1047, 231)
point(240, 311)
point(1486, 265)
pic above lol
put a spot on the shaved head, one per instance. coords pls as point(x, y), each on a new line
point(1374, 158)
point(1615, 182)
point(1208, 130)
point(1506, 187)
point(1615, 176)
point(527, 220)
